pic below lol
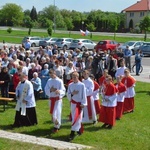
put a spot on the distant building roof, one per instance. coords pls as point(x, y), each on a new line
point(143, 5)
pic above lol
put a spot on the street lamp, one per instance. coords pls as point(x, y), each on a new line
point(82, 24)
point(54, 17)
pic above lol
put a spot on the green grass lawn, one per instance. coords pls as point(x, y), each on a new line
point(16, 36)
point(131, 132)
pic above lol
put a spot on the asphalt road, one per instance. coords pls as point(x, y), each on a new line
point(78, 32)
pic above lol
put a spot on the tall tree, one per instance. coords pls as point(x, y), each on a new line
point(11, 14)
point(145, 26)
point(28, 23)
point(33, 14)
point(27, 12)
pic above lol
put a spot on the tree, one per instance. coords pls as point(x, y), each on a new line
point(33, 14)
point(49, 30)
point(28, 23)
point(52, 11)
point(91, 26)
point(27, 12)
point(145, 26)
point(69, 23)
point(12, 13)
point(9, 30)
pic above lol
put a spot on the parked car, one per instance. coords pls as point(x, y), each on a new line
point(63, 43)
point(33, 40)
point(108, 45)
point(82, 44)
point(133, 45)
point(145, 48)
point(47, 41)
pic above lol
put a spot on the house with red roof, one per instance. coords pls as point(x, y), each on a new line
point(136, 12)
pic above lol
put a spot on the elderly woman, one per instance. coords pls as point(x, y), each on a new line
point(88, 65)
point(68, 71)
point(37, 86)
point(37, 65)
point(58, 69)
point(44, 77)
point(31, 71)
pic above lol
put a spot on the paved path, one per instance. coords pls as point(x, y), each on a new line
point(144, 76)
point(59, 145)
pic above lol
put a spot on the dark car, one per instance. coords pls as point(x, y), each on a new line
point(47, 42)
point(108, 45)
point(145, 48)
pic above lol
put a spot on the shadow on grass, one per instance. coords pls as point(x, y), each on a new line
point(6, 127)
point(47, 133)
point(147, 92)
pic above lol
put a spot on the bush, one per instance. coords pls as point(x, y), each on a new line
point(49, 31)
point(9, 30)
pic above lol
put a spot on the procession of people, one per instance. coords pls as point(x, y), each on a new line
point(98, 85)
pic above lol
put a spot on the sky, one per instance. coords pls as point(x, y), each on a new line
point(78, 5)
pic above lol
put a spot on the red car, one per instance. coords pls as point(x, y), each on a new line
point(108, 45)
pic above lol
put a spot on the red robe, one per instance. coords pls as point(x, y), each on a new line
point(15, 80)
point(128, 102)
point(101, 80)
point(108, 114)
point(96, 101)
point(119, 109)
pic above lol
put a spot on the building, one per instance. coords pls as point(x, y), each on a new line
point(136, 12)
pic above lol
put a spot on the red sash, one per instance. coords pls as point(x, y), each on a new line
point(89, 106)
point(53, 100)
point(77, 113)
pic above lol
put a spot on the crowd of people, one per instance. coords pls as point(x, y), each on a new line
point(82, 76)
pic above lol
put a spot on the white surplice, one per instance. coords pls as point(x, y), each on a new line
point(58, 84)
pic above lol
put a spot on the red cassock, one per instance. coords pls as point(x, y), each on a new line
point(108, 112)
point(129, 101)
point(101, 80)
point(120, 100)
point(96, 101)
point(15, 80)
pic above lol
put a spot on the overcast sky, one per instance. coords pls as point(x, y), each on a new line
point(79, 5)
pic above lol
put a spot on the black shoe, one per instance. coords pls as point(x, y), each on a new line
point(94, 122)
point(137, 74)
point(104, 125)
point(109, 127)
point(131, 111)
point(72, 136)
point(79, 133)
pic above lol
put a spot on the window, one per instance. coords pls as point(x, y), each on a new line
point(131, 14)
point(141, 14)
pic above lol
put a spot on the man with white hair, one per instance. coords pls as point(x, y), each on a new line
point(25, 108)
point(37, 85)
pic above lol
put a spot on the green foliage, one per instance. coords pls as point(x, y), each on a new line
point(91, 26)
point(52, 12)
point(49, 30)
point(11, 13)
point(27, 12)
point(9, 30)
point(69, 23)
point(144, 25)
